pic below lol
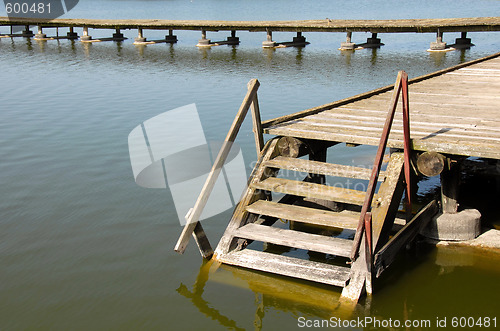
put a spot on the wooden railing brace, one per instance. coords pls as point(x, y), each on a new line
point(401, 84)
point(192, 219)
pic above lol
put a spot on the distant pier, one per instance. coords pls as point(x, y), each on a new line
point(375, 27)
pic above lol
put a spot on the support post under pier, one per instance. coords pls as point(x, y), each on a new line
point(72, 34)
point(40, 34)
point(27, 32)
point(300, 39)
point(85, 36)
point(463, 41)
point(373, 41)
point(438, 45)
point(118, 36)
point(348, 45)
point(233, 40)
point(203, 42)
point(140, 38)
point(171, 38)
point(269, 40)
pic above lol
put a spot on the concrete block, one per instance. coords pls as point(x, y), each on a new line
point(437, 46)
point(465, 225)
point(347, 46)
point(72, 35)
point(267, 44)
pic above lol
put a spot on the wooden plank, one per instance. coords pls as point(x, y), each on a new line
point(257, 125)
point(311, 190)
point(240, 214)
point(426, 122)
point(297, 239)
point(419, 131)
point(321, 168)
point(194, 215)
point(344, 220)
point(202, 242)
point(456, 147)
point(387, 254)
point(288, 266)
point(390, 194)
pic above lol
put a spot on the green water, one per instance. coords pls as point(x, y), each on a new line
point(83, 247)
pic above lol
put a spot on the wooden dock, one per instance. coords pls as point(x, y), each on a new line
point(438, 26)
point(447, 116)
point(455, 111)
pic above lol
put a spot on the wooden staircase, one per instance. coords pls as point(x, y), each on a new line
point(309, 202)
point(303, 204)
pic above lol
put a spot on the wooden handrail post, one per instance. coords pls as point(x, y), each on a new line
point(407, 145)
point(192, 219)
point(257, 125)
point(376, 166)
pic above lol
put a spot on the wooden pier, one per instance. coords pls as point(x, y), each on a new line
point(445, 117)
point(437, 26)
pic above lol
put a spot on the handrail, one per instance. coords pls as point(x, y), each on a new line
point(192, 218)
point(400, 85)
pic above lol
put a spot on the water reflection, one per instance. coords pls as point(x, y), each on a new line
point(284, 294)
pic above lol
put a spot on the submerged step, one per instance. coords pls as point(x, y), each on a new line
point(288, 266)
point(312, 190)
point(321, 168)
point(344, 220)
point(297, 239)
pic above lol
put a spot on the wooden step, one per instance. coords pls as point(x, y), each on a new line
point(288, 266)
point(297, 239)
point(321, 168)
point(344, 219)
point(312, 190)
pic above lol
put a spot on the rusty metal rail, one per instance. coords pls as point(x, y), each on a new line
point(365, 217)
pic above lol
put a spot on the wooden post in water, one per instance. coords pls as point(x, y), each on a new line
point(72, 34)
point(118, 36)
point(450, 179)
point(438, 45)
point(463, 41)
point(40, 34)
point(348, 45)
point(27, 32)
point(300, 39)
point(85, 36)
point(269, 40)
point(233, 40)
point(203, 42)
point(373, 41)
point(140, 38)
point(171, 38)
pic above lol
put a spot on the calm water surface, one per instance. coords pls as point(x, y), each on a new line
point(82, 247)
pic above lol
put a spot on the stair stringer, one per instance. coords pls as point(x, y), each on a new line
point(240, 215)
point(383, 215)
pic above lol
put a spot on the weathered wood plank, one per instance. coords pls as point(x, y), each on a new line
point(240, 214)
point(297, 239)
point(387, 254)
point(390, 194)
point(311, 190)
point(321, 168)
point(450, 113)
point(344, 220)
point(362, 96)
point(288, 266)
